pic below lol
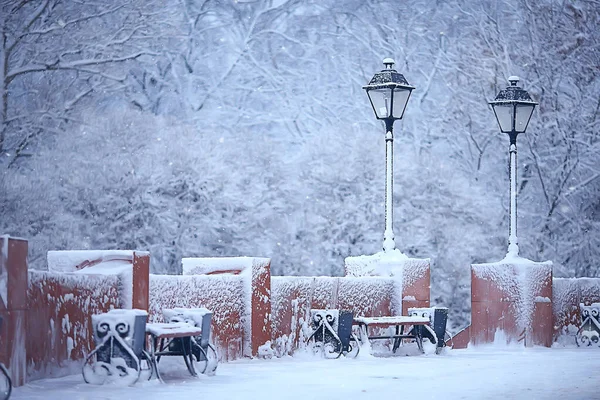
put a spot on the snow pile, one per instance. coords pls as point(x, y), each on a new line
point(521, 281)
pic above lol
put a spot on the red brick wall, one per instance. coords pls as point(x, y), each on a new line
point(512, 299)
point(59, 329)
point(222, 294)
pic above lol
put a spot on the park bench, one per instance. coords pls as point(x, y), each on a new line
point(121, 338)
point(120, 353)
point(332, 333)
point(421, 323)
point(589, 333)
point(399, 323)
point(186, 334)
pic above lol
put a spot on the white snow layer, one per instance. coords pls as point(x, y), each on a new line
point(479, 373)
point(76, 260)
point(208, 265)
point(98, 262)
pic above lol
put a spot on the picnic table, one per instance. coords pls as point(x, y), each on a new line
point(420, 327)
point(173, 339)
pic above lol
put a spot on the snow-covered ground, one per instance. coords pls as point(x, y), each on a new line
point(481, 373)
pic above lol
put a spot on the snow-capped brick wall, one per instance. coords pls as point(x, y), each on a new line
point(292, 298)
point(132, 266)
point(514, 298)
point(59, 322)
point(222, 294)
point(411, 276)
point(290, 302)
point(236, 289)
point(567, 295)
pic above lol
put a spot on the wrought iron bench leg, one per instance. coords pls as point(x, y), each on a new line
point(154, 360)
point(186, 349)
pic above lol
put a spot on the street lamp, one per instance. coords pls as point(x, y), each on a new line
point(513, 108)
point(388, 92)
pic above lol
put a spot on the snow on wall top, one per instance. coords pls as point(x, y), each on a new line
point(98, 262)
point(91, 261)
point(520, 279)
point(211, 265)
point(391, 263)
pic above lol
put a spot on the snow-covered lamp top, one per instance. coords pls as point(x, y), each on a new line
point(513, 108)
point(388, 92)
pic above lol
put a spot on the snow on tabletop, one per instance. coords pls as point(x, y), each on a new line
point(391, 320)
point(178, 328)
point(89, 261)
point(208, 265)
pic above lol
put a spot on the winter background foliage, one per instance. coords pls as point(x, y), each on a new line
point(218, 128)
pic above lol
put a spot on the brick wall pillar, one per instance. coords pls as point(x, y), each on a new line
point(141, 280)
point(513, 300)
point(260, 323)
point(13, 306)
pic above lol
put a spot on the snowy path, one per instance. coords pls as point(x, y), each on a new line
point(487, 373)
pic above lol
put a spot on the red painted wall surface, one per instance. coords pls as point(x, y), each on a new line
point(222, 294)
point(59, 329)
point(13, 306)
point(514, 300)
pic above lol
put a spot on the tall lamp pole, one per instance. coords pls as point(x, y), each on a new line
point(389, 92)
point(513, 108)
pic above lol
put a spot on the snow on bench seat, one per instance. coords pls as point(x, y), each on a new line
point(389, 321)
point(172, 330)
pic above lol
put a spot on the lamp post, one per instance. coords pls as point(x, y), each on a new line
point(388, 92)
point(513, 108)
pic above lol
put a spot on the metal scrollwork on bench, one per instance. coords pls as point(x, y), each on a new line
point(589, 333)
point(119, 353)
point(332, 333)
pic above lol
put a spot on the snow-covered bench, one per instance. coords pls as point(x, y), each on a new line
point(119, 355)
point(332, 332)
point(186, 334)
point(400, 323)
point(589, 333)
